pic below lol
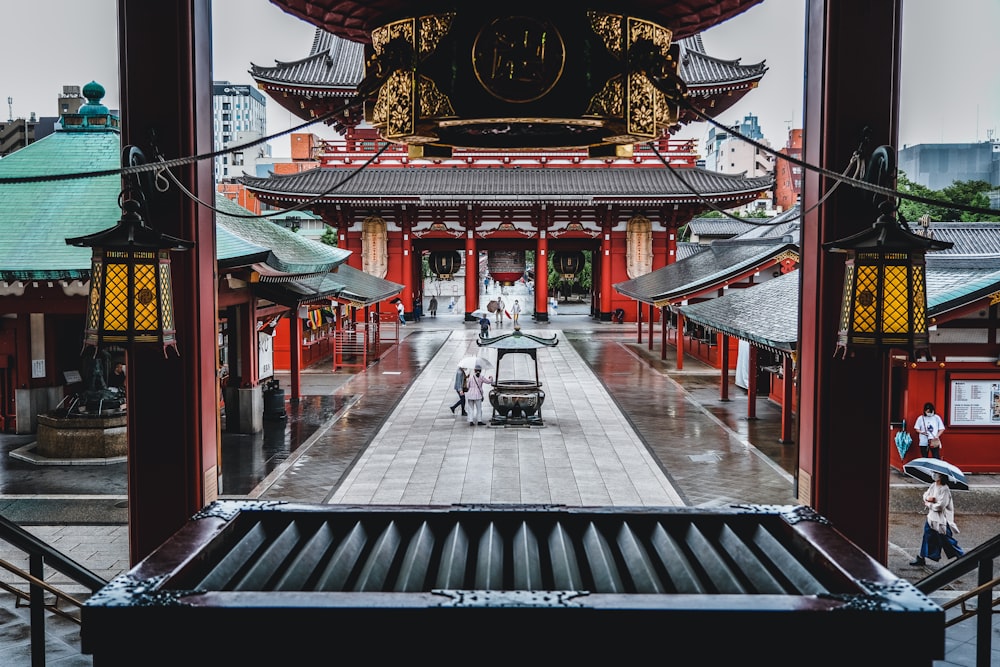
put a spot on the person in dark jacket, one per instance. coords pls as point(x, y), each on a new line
point(461, 384)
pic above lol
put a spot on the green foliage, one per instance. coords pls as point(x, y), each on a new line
point(329, 236)
point(966, 193)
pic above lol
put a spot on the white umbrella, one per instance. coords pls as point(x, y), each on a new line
point(924, 469)
point(481, 312)
point(470, 363)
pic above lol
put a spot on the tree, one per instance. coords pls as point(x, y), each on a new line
point(966, 193)
point(329, 236)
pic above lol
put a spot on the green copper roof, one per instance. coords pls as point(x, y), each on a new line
point(36, 218)
point(289, 252)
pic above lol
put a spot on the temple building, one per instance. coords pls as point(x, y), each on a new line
point(622, 208)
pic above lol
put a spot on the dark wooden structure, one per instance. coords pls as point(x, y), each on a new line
point(271, 583)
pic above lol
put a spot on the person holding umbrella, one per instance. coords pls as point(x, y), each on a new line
point(939, 528)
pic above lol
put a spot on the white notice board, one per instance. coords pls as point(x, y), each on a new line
point(975, 403)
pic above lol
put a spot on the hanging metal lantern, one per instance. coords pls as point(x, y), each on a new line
point(131, 299)
point(885, 289)
point(568, 264)
point(445, 263)
point(505, 266)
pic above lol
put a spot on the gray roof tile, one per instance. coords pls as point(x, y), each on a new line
point(496, 184)
point(706, 270)
point(337, 63)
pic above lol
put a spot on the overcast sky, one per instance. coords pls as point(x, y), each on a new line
point(950, 91)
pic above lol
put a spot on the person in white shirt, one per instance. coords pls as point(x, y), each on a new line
point(929, 429)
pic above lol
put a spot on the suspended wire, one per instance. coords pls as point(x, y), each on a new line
point(181, 161)
point(671, 85)
point(855, 165)
point(841, 178)
point(298, 207)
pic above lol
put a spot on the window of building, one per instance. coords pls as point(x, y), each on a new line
point(226, 106)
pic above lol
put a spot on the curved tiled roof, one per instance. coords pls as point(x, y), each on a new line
point(355, 20)
point(703, 271)
point(766, 314)
point(698, 69)
point(289, 253)
point(333, 64)
point(337, 64)
point(956, 277)
point(499, 184)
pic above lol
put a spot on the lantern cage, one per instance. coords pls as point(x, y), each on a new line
point(885, 288)
point(445, 264)
point(131, 298)
point(568, 264)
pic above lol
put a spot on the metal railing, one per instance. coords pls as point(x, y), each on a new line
point(979, 560)
point(41, 555)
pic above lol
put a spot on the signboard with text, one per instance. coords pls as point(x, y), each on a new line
point(975, 403)
point(265, 356)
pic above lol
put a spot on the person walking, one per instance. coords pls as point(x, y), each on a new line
point(929, 427)
point(400, 311)
point(515, 311)
point(939, 528)
point(432, 306)
point(461, 386)
point(484, 326)
point(474, 396)
point(500, 307)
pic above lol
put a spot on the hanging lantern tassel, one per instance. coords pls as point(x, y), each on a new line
point(885, 288)
point(131, 299)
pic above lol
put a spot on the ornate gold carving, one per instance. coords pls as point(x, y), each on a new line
point(610, 101)
point(787, 254)
point(609, 28)
point(518, 58)
point(632, 105)
point(404, 29)
point(994, 298)
point(433, 28)
point(433, 103)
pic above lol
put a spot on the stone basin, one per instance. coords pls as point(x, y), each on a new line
point(97, 436)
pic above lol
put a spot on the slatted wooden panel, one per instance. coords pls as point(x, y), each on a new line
point(534, 551)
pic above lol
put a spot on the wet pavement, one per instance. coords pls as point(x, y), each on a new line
point(622, 426)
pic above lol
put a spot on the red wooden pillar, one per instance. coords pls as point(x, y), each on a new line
point(605, 265)
point(173, 415)
point(680, 341)
point(837, 70)
point(471, 267)
point(406, 257)
point(638, 321)
point(295, 356)
point(652, 312)
point(663, 332)
point(723, 341)
point(752, 384)
point(542, 273)
point(787, 404)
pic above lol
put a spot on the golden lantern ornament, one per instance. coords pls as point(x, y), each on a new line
point(885, 287)
point(131, 299)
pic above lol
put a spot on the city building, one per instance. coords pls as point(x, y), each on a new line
point(787, 175)
point(239, 116)
point(936, 166)
point(727, 153)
